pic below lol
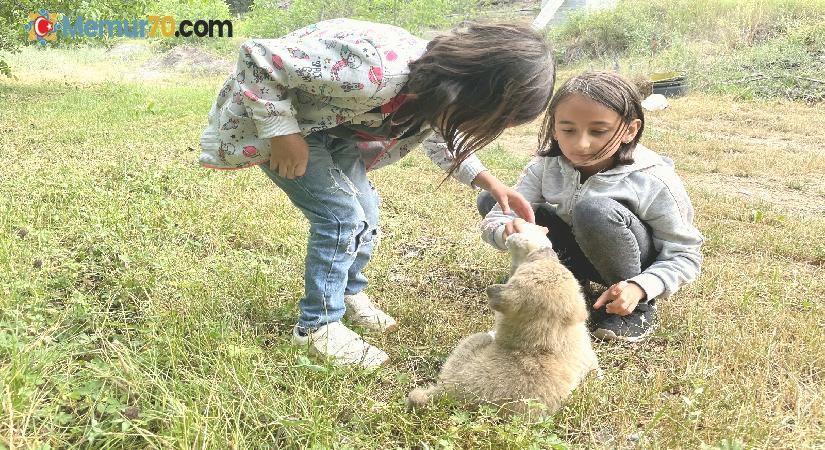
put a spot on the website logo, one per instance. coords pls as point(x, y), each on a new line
point(42, 27)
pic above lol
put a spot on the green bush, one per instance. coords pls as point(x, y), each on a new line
point(642, 27)
point(751, 48)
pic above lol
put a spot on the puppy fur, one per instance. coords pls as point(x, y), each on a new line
point(541, 349)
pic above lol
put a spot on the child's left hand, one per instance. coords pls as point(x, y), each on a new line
point(505, 196)
point(621, 298)
point(509, 198)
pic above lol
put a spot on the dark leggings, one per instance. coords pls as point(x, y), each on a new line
point(606, 244)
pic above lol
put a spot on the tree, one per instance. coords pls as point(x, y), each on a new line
point(14, 16)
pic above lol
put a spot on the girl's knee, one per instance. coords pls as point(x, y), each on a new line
point(355, 234)
point(485, 203)
point(594, 214)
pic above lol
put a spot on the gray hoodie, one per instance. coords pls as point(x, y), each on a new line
point(649, 187)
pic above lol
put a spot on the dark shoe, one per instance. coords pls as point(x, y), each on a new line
point(634, 327)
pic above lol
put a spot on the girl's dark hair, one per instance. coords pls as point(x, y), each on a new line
point(481, 79)
point(610, 90)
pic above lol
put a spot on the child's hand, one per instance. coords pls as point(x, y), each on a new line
point(519, 225)
point(508, 197)
point(289, 155)
point(505, 196)
point(621, 298)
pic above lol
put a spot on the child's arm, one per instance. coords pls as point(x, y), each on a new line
point(473, 173)
point(670, 217)
point(494, 227)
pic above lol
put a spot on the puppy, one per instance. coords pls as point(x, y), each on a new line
point(540, 350)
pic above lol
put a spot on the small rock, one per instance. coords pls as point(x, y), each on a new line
point(131, 412)
point(633, 437)
point(655, 102)
point(22, 233)
point(38, 263)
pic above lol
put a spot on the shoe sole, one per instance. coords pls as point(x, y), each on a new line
point(390, 329)
point(305, 343)
point(385, 330)
point(607, 335)
point(328, 359)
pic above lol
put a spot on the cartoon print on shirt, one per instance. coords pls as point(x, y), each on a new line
point(225, 91)
point(225, 147)
point(297, 53)
point(257, 49)
point(310, 73)
point(277, 62)
point(260, 74)
point(230, 124)
point(250, 151)
point(375, 75)
point(348, 87)
point(250, 95)
point(273, 112)
point(348, 59)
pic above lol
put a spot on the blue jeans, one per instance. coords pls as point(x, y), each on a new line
point(341, 206)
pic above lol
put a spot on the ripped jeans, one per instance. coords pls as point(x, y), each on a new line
point(341, 206)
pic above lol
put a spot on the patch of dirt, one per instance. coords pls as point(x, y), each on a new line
point(187, 58)
point(127, 51)
point(808, 198)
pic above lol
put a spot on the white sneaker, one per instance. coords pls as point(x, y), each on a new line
point(344, 346)
point(361, 311)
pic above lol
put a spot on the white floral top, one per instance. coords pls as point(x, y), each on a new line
point(336, 72)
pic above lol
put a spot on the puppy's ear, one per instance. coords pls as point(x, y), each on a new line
point(499, 298)
point(570, 307)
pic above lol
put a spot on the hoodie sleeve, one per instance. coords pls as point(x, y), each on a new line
point(669, 214)
point(529, 185)
point(436, 149)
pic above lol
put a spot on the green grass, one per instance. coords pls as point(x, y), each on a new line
point(750, 48)
point(147, 303)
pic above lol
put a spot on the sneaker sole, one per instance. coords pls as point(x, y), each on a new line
point(607, 335)
point(303, 342)
point(368, 326)
point(373, 331)
point(327, 359)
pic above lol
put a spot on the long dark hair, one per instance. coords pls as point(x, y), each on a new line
point(476, 81)
point(610, 90)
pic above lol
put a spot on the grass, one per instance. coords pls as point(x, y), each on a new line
point(145, 302)
point(748, 48)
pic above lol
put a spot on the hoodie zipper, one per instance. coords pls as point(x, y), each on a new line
point(579, 188)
